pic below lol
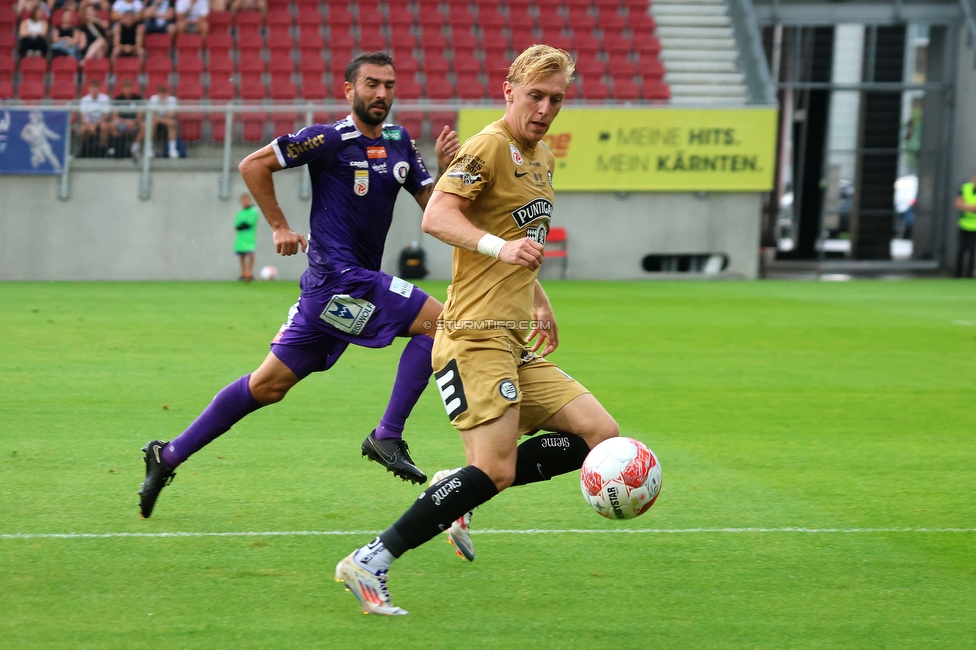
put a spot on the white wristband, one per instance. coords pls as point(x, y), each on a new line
point(491, 245)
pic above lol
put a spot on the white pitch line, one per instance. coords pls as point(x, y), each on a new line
point(528, 531)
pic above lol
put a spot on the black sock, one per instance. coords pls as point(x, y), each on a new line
point(437, 507)
point(551, 454)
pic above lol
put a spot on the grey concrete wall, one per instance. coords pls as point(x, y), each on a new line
point(964, 136)
point(104, 232)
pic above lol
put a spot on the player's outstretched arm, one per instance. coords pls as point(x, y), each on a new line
point(545, 331)
point(256, 170)
point(444, 219)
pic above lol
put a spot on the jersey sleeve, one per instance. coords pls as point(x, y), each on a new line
point(301, 148)
point(417, 174)
point(472, 169)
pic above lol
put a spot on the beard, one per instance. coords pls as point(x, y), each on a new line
point(362, 111)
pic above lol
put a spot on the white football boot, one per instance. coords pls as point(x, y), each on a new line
point(459, 534)
point(368, 587)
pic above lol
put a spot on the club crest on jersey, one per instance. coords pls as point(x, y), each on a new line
point(400, 171)
point(361, 184)
point(538, 208)
point(537, 233)
point(516, 156)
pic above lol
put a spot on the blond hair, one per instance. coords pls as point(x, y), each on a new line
point(540, 61)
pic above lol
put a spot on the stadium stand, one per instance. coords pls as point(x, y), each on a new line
point(459, 52)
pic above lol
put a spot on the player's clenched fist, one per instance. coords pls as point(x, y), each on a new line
point(524, 252)
point(287, 241)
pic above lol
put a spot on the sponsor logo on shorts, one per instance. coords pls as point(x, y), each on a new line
point(348, 314)
point(401, 287)
point(361, 183)
point(400, 171)
point(451, 389)
point(508, 390)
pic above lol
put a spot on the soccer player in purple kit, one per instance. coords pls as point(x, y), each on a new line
point(357, 165)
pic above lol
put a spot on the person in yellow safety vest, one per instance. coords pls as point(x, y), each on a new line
point(966, 204)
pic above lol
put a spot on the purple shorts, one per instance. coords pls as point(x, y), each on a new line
point(367, 308)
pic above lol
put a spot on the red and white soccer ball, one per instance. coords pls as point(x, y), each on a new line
point(269, 273)
point(620, 478)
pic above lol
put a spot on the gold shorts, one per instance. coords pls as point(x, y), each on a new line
point(479, 380)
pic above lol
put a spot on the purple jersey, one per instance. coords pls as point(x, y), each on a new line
point(355, 181)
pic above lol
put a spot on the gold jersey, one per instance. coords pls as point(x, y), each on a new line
point(511, 195)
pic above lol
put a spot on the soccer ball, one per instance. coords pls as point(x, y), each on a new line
point(620, 478)
point(269, 273)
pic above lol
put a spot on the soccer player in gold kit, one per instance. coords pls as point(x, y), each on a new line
point(494, 205)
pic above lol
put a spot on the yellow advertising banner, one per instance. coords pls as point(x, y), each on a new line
point(655, 149)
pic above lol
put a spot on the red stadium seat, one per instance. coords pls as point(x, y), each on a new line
point(283, 123)
point(637, 5)
point(191, 126)
point(253, 90)
point(432, 19)
point(158, 71)
point(519, 16)
point(94, 69)
point(218, 125)
point(460, 18)
point(220, 90)
point(340, 57)
point(372, 41)
point(624, 89)
point(493, 37)
point(648, 46)
point(64, 72)
point(400, 16)
point(221, 67)
point(189, 90)
point(157, 45)
point(186, 66)
point(654, 89)
point(439, 120)
point(558, 40)
point(310, 43)
point(466, 66)
point(63, 92)
point(251, 69)
point(219, 22)
point(408, 88)
point(405, 64)
point(432, 38)
point(557, 235)
point(188, 44)
point(436, 64)
point(253, 126)
point(280, 38)
point(590, 66)
point(31, 91)
point(370, 18)
point(616, 43)
point(495, 81)
point(281, 66)
point(282, 87)
point(577, 4)
point(248, 19)
point(522, 38)
point(621, 65)
point(439, 87)
point(470, 88)
point(642, 24)
point(313, 89)
point(338, 84)
point(464, 43)
point(402, 38)
point(33, 69)
point(651, 68)
point(580, 19)
point(220, 44)
point(311, 65)
point(280, 17)
point(489, 19)
point(551, 20)
point(340, 17)
point(611, 20)
point(584, 42)
point(340, 38)
point(412, 121)
point(595, 89)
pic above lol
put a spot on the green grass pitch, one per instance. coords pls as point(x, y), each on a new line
point(834, 420)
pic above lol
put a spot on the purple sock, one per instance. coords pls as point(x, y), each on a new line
point(412, 376)
point(227, 408)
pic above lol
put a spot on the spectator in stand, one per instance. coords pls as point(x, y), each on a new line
point(160, 18)
point(128, 36)
point(66, 39)
point(129, 120)
point(162, 105)
point(33, 33)
point(96, 114)
point(122, 7)
point(191, 16)
point(248, 5)
point(96, 33)
point(25, 8)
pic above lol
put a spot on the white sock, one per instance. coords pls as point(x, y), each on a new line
point(172, 145)
point(135, 147)
point(374, 557)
